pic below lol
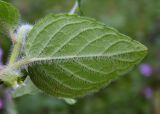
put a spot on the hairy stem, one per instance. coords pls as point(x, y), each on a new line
point(157, 101)
point(72, 11)
point(17, 47)
point(20, 64)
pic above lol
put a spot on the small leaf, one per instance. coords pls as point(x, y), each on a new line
point(71, 56)
point(9, 16)
point(70, 101)
point(25, 89)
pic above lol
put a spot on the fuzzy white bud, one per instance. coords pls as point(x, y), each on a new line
point(26, 28)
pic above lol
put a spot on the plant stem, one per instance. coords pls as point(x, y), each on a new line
point(72, 11)
point(20, 64)
point(17, 46)
point(157, 101)
point(79, 7)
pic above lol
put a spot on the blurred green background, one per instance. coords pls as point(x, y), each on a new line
point(138, 92)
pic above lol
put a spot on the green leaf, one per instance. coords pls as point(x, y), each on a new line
point(71, 56)
point(70, 101)
point(9, 16)
point(26, 88)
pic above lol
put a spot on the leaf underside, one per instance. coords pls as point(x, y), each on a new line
point(72, 56)
point(9, 16)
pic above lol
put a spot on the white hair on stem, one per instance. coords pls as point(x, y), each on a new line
point(20, 36)
point(72, 11)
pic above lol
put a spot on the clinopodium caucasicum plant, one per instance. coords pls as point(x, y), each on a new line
point(64, 55)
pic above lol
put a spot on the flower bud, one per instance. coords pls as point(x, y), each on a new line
point(146, 70)
point(1, 55)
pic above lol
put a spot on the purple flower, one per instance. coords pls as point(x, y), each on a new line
point(1, 55)
point(1, 104)
point(148, 92)
point(146, 70)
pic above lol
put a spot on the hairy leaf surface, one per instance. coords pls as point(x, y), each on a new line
point(71, 56)
point(9, 16)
